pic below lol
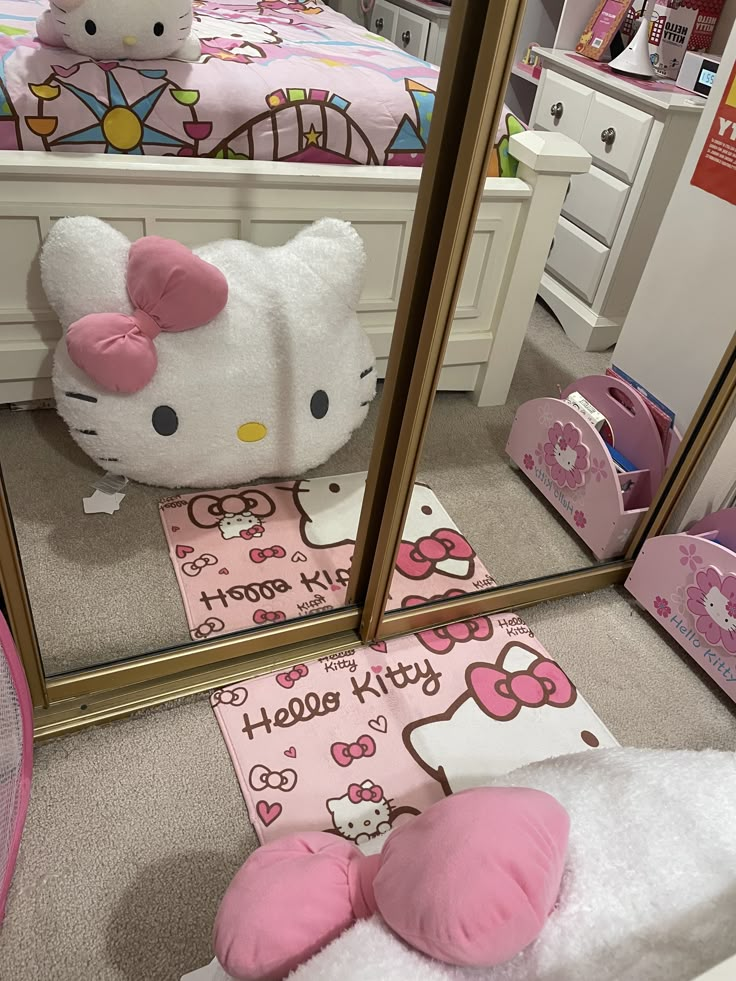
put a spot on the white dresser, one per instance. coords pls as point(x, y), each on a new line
point(417, 26)
point(638, 137)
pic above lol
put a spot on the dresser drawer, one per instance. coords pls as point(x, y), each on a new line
point(562, 105)
point(596, 202)
point(412, 32)
point(615, 135)
point(383, 19)
point(577, 259)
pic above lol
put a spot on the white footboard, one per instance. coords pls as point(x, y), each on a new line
point(199, 201)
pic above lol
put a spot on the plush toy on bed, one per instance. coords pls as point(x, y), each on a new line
point(135, 29)
point(213, 367)
point(471, 881)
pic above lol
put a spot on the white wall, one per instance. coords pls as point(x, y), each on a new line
point(723, 27)
point(713, 478)
point(717, 482)
point(683, 314)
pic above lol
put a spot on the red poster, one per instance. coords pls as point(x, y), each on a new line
point(715, 170)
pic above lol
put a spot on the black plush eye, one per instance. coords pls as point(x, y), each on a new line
point(319, 404)
point(158, 28)
point(350, 824)
point(164, 420)
point(377, 811)
point(90, 27)
point(334, 488)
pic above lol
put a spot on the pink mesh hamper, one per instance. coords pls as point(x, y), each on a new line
point(16, 757)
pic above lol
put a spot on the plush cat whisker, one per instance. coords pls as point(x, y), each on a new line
point(80, 395)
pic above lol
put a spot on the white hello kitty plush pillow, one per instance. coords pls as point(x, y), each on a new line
point(137, 29)
point(209, 368)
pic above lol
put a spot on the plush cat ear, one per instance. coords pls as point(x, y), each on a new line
point(335, 253)
point(332, 805)
point(84, 262)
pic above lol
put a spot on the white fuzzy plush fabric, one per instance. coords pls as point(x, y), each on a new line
point(287, 352)
point(136, 29)
point(650, 891)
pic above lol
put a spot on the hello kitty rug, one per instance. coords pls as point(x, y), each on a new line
point(257, 555)
point(357, 742)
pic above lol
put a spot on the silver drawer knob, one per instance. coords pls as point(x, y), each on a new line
point(556, 110)
point(406, 38)
point(379, 25)
point(608, 136)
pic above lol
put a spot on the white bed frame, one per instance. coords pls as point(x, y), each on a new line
point(203, 200)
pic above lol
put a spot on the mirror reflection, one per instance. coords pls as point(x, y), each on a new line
point(175, 466)
point(685, 578)
point(550, 465)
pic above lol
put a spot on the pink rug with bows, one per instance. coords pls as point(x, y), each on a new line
point(359, 741)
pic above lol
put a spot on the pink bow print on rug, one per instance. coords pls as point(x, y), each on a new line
point(344, 753)
point(259, 555)
point(503, 695)
point(420, 559)
point(367, 792)
point(441, 640)
point(287, 679)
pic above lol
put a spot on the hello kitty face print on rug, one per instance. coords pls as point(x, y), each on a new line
point(509, 715)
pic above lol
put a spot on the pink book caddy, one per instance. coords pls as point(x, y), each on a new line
point(564, 456)
point(688, 583)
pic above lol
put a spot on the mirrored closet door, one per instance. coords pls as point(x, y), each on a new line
point(322, 404)
point(196, 346)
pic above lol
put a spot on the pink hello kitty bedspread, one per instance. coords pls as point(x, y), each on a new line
point(287, 80)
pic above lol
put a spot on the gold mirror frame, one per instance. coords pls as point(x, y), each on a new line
point(475, 70)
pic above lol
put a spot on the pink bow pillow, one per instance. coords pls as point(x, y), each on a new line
point(471, 881)
point(171, 289)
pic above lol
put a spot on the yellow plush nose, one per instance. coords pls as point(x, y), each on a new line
point(251, 432)
point(130, 41)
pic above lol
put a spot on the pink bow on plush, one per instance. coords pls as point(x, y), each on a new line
point(502, 695)
point(356, 793)
point(259, 555)
point(171, 289)
point(470, 881)
point(417, 560)
point(344, 753)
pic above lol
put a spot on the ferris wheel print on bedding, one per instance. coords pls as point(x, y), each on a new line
point(287, 80)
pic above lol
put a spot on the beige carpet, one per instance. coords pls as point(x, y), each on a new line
point(103, 587)
point(135, 828)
